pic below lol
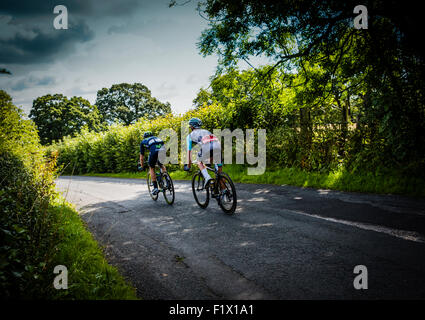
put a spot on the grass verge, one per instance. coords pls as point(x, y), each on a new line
point(369, 182)
point(89, 274)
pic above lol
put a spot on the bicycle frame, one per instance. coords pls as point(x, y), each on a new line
point(216, 181)
point(217, 189)
point(214, 191)
point(163, 186)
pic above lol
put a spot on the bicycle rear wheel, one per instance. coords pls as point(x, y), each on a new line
point(168, 190)
point(228, 198)
point(150, 187)
point(200, 192)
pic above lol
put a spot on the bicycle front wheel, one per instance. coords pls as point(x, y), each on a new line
point(150, 187)
point(228, 198)
point(168, 190)
point(200, 192)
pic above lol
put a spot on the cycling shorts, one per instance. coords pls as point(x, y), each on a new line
point(210, 151)
point(153, 159)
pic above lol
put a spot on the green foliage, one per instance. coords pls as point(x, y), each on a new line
point(252, 103)
point(126, 103)
point(15, 132)
point(117, 149)
point(24, 225)
point(304, 131)
point(375, 76)
point(26, 190)
point(336, 98)
point(57, 116)
point(38, 230)
point(90, 276)
point(383, 181)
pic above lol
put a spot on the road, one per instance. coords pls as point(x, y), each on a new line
point(284, 242)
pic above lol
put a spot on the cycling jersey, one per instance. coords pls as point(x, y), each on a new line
point(209, 145)
point(153, 144)
point(199, 136)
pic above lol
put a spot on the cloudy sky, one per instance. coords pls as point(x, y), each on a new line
point(107, 42)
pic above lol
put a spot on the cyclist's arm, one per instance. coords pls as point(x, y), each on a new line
point(189, 150)
point(142, 152)
point(189, 158)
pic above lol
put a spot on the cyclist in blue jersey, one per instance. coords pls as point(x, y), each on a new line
point(210, 145)
point(154, 145)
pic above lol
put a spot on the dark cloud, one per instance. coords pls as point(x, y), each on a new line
point(43, 47)
point(28, 7)
point(45, 81)
point(32, 38)
point(32, 81)
point(20, 8)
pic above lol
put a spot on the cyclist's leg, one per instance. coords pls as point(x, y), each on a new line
point(216, 158)
point(163, 170)
point(202, 166)
point(153, 158)
point(222, 183)
point(206, 153)
point(151, 162)
point(152, 173)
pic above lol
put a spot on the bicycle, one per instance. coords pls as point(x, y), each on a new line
point(220, 188)
point(165, 185)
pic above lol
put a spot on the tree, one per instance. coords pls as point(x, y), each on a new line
point(15, 132)
point(252, 103)
point(202, 98)
point(57, 116)
point(287, 30)
point(383, 65)
point(126, 103)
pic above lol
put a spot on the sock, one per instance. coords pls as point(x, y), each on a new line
point(155, 184)
point(206, 174)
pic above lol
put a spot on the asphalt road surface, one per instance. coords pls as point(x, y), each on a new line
point(283, 242)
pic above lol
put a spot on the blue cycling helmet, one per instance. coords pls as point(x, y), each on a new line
point(147, 134)
point(195, 122)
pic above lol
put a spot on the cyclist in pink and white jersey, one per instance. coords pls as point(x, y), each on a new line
point(210, 146)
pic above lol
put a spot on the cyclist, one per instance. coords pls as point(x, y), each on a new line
point(210, 145)
point(154, 144)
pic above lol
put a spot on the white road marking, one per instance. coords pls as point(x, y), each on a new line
point(403, 234)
